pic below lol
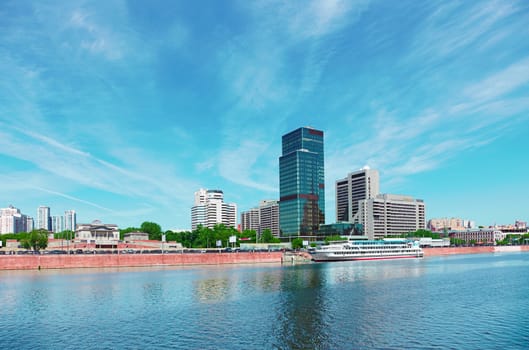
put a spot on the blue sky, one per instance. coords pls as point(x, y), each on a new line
point(121, 110)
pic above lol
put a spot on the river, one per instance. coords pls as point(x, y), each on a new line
point(453, 302)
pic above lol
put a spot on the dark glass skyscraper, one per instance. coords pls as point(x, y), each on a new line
point(301, 183)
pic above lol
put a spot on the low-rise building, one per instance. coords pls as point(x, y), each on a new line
point(481, 236)
point(136, 236)
point(102, 235)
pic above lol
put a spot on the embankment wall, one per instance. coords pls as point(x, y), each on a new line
point(473, 250)
point(31, 262)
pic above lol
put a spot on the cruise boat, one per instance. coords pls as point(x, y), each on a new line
point(368, 250)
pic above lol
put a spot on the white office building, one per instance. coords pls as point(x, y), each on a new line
point(210, 210)
point(359, 185)
point(391, 215)
point(13, 221)
point(44, 218)
point(70, 220)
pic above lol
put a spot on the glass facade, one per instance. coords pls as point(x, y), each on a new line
point(301, 182)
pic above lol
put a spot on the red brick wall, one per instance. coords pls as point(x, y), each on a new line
point(28, 262)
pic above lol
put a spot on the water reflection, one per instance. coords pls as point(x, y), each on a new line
point(301, 314)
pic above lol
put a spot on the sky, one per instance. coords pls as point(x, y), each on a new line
point(121, 110)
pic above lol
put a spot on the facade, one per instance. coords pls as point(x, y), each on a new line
point(450, 224)
point(391, 215)
point(136, 236)
point(301, 182)
point(250, 220)
point(359, 185)
point(266, 216)
point(44, 218)
point(481, 236)
point(57, 224)
point(210, 210)
point(341, 229)
point(269, 216)
point(70, 220)
point(13, 221)
point(98, 233)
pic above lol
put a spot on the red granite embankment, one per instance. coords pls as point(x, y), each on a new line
point(30, 262)
point(473, 250)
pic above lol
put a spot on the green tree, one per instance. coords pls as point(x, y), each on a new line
point(67, 234)
point(36, 240)
point(153, 229)
point(268, 237)
point(297, 243)
point(329, 239)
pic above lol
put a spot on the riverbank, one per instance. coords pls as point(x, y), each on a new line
point(34, 262)
point(474, 250)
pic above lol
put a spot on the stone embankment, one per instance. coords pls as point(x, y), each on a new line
point(49, 261)
point(474, 250)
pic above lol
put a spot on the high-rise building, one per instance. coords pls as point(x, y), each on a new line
point(301, 182)
point(13, 221)
point(357, 186)
point(269, 217)
point(70, 220)
point(250, 220)
point(57, 224)
point(44, 218)
point(210, 209)
point(391, 215)
point(266, 216)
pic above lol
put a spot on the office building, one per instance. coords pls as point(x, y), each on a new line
point(13, 221)
point(301, 182)
point(359, 185)
point(264, 217)
point(210, 210)
point(57, 224)
point(250, 220)
point(70, 220)
point(391, 215)
point(44, 218)
point(269, 217)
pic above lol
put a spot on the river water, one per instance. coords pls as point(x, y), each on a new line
point(456, 302)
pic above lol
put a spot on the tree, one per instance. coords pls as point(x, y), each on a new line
point(268, 237)
point(36, 240)
point(297, 243)
point(64, 235)
point(153, 229)
point(329, 239)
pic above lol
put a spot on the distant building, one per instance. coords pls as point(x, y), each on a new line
point(357, 186)
point(210, 210)
point(391, 215)
point(70, 220)
point(264, 217)
point(102, 235)
point(13, 221)
point(57, 224)
point(269, 217)
point(301, 182)
point(450, 224)
point(250, 220)
point(486, 236)
point(44, 218)
point(136, 236)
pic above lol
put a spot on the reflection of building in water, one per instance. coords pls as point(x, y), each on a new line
point(213, 290)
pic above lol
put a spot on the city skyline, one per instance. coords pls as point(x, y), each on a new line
point(122, 110)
